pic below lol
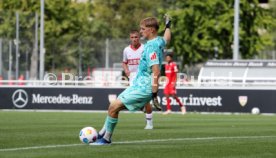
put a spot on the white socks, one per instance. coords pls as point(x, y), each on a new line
point(149, 119)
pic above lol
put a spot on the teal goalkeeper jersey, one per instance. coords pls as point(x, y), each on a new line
point(152, 55)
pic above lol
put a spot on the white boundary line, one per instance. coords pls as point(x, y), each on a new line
point(139, 141)
point(126, 111)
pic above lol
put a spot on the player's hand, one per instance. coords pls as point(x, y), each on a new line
point(155, 102)
point(127, 73)
point(167, 21)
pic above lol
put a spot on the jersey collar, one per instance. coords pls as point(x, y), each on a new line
point(133, 48)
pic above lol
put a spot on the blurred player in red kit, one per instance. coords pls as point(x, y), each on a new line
point(170, 90)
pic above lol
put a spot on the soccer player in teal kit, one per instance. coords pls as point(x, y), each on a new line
point(145, 85)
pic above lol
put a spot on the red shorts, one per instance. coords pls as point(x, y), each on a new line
point(169, 90)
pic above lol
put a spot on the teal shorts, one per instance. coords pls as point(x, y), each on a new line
point(134, 98)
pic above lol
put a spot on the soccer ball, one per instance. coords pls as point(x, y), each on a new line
point(255, 111)
point(88, 135)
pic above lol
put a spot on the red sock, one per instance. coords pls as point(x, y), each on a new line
point(168, 103)
point(179, 102)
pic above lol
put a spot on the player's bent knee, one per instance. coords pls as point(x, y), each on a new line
point(115, 107)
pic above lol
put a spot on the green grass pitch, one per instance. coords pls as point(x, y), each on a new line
point(55, 135)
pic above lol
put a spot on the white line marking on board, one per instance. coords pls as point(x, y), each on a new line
point(139, 141)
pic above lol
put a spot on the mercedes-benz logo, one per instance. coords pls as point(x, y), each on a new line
point(20, 98)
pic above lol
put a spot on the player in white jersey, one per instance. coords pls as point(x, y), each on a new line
point(131, 60)
point(132, 55)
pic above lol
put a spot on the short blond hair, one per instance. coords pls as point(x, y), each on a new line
point(150, 22)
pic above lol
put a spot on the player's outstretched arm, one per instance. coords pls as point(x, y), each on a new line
point(167, 33)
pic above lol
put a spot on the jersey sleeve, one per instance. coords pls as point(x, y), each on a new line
point(163, 42)
point(175, 69)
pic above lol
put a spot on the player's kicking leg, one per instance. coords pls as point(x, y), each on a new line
point(111, 120)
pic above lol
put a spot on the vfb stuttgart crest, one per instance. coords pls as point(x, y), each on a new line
point(243, 100)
